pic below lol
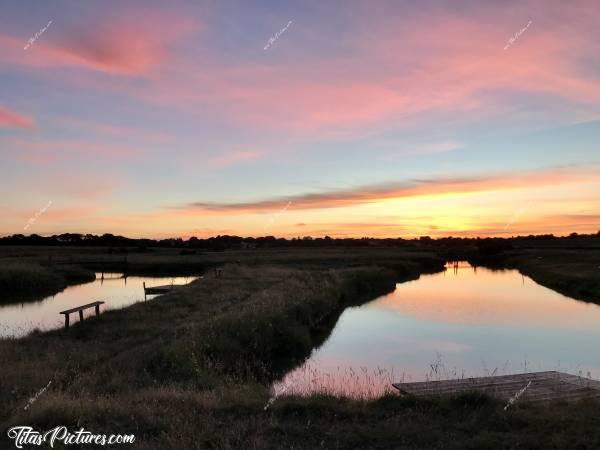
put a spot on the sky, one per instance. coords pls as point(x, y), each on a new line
point(340, 118)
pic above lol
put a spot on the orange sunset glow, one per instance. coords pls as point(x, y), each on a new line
point(148, 121)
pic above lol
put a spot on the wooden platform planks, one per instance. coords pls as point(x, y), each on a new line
point(158, 289)
point(545, 386)
point(153, 290)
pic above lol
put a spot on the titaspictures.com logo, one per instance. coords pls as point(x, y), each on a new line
point(24, 435)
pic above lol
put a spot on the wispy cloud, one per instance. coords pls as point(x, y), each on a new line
point(412, 188)
point(130, 44)
point(157, 92)
point(10, 118)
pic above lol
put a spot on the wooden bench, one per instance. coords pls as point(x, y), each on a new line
point(66, 312)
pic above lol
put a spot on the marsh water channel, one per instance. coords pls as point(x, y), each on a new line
point(462, 322)
point(117, 291)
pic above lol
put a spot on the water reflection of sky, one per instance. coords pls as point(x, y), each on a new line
point(20, 318)
point(459, 323)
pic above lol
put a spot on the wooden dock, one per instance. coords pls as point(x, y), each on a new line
point(545, 386)
point(154, 290)
point(158, 289)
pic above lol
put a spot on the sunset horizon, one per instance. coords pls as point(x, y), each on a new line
point(300, 119)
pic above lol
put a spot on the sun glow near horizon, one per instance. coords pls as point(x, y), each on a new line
point(147, 122)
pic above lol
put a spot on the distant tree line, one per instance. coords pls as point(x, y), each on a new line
point(226, 242)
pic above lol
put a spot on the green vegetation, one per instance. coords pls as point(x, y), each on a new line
point(575, 273)
point(192, 368)
point(28, 280)
point(32, 273)
point(217, 337)
point(164, 261)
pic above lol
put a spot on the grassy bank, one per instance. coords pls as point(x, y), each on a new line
point(575, 273)
point(192, 369)
point(159, 261)
point(216, 336)
point(21, 281)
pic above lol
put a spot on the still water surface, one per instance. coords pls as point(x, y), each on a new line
point(460, 323)
point(18, 319)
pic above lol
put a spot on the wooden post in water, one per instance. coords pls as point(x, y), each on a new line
point(97, 310)
point(144, 291)
point(66, 321)
point(81, 315)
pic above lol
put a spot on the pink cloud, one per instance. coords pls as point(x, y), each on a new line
point(9, 118)
point(110, 49)
point(131, 44)
point(436, 63)
point(457, 73)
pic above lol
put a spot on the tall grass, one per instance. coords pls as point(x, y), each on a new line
point(360, 383)
point(272, 329)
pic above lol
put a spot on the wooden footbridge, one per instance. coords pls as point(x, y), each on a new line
point(541, 387)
